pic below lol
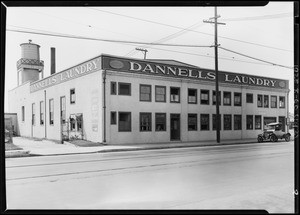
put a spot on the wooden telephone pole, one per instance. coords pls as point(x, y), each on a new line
point(214, 20)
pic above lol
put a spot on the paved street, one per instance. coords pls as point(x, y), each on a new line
point(250, 176)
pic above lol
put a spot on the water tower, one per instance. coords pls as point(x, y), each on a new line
point(30, 65)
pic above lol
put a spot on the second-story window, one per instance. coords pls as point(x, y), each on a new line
point(192, 96)
point(145, 93)
point(160, 93)
point(72, 96)
point(204, 97)
point(227, 98)
point(266, 101)
point(281, 101)
point(273, 101)
point(259, 101)
point(175, 94)
point(124, 89)
point(237, 99)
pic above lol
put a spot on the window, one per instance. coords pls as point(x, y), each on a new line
point(249, 122)
point(72, 122)
point(72, 96)
point(259, 100)
point(249, 98)
point(23, 113)
point(42, 108)
point(237, 122)
point(125, 89)
point(160, 94)
point(273, 101)
point(204, 122)
point(237, 99)
point(124, 121)
point(79, 121)
point(192, 122)
point(214, 121)
point(113, 88)
point(33, 114)
point(281, 102)
point(175, 94)
point(204, 97)
point(160, 122)
point(113, 118)
point(63, 109)
point(257, 122)
point(51, 111)
point(214, 97)
point(266, 101)
point(227, 122)
point(145, 93)
point(192, 96)
point(227, 98)
point(145, 121)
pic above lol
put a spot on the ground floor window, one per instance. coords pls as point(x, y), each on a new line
point(192, 122)
point(113, 118)
point(204, 122)
point(257, 122)
point(249, 122)
point(51, 111)
point(227, 122)
point(214, 118)
point(237, 122)
point(145, 121)
point(160, 122)
point(124, 121)
point(268, 120)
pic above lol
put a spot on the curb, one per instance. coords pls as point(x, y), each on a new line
point(16, 153)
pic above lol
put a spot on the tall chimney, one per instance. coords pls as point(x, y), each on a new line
point(52, 60)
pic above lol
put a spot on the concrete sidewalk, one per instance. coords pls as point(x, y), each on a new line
point(33, 147)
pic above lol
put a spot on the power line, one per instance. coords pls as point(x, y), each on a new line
point(106, 40)
point(172, 26)
point(272, 16)
point(274, 64)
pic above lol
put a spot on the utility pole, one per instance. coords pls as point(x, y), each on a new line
point(143, 50)
point(216, 68)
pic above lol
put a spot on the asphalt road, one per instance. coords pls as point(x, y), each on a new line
point(250, 176)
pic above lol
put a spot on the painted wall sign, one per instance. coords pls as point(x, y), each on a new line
point(74, 72)
point(159, 69)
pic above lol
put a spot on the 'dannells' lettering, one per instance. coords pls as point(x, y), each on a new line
point(161, 69)
point(148, 68)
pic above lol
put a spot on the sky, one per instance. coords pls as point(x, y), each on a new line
point(264, 33)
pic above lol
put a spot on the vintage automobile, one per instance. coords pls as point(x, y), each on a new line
point(273, 132)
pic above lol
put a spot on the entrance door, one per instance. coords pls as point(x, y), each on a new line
point(175, 126)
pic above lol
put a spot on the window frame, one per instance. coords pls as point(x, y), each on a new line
point(113, 88)
point(255, 120)
point(196, 95)
point(228, 93)
point(33, 115)
point(178, 88)
point(272, 96)
point(247, 118)
point(283, 101)
point(235, 95)
point(165, 121)
point(165, 95)
point(51, 122)
point(42, 114)
point(224, 123)
point(268, 104)
point(239, 125)
point(215, 96)
point(215, 116)
point(150, 96)
point(247, 98)
point(146, 114)
point(201, 100)
point(111, 117)
point(119, 88)
point(130, 122)
point(260, 96)
point(208, 124)
point(72, 102)
point(194, 115)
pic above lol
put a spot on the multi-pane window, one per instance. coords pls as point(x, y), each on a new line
point(214, 119)
point(51, 111)
point(145, 93)
point(266, 101)
point(273, 101)
point(113, 88)
point(63, 109)
point(124, 121)
point(175, 94)
point(79, 121)
point(113, 118)
point(237, 122)
point(42, 108)
point(192, 96)
point(249, 98)
point(259, 100)
point(33, 113)
point(227, 98)
point(237, 99)
point(249, 122)
point(281, 101)
point(204, 97)
point(160, 122)
point(145, 122)
point(214, 97)
point(160, 93)
point(23, 113)
point(72, 122)
point(124, 89)
point(204, 122)
point(192, 122)
point(227, 122)
point(257, 122)
point(72, 96)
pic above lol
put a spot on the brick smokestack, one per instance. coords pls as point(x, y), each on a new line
point(52, 60)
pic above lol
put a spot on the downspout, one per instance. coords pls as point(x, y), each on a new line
point(45, 115)
point(104, 106)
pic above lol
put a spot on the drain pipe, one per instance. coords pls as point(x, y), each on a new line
point(45, 124)
point(104, 106)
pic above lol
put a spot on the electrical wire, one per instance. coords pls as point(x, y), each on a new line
point(272, 16)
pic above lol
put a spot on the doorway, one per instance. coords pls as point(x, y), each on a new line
point(175, 126)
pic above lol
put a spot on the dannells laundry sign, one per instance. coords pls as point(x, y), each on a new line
point(77, 71)
point(152, 68)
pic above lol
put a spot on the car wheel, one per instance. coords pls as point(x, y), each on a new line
point(287, 138)
point(273, 138)
point(260, 139)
